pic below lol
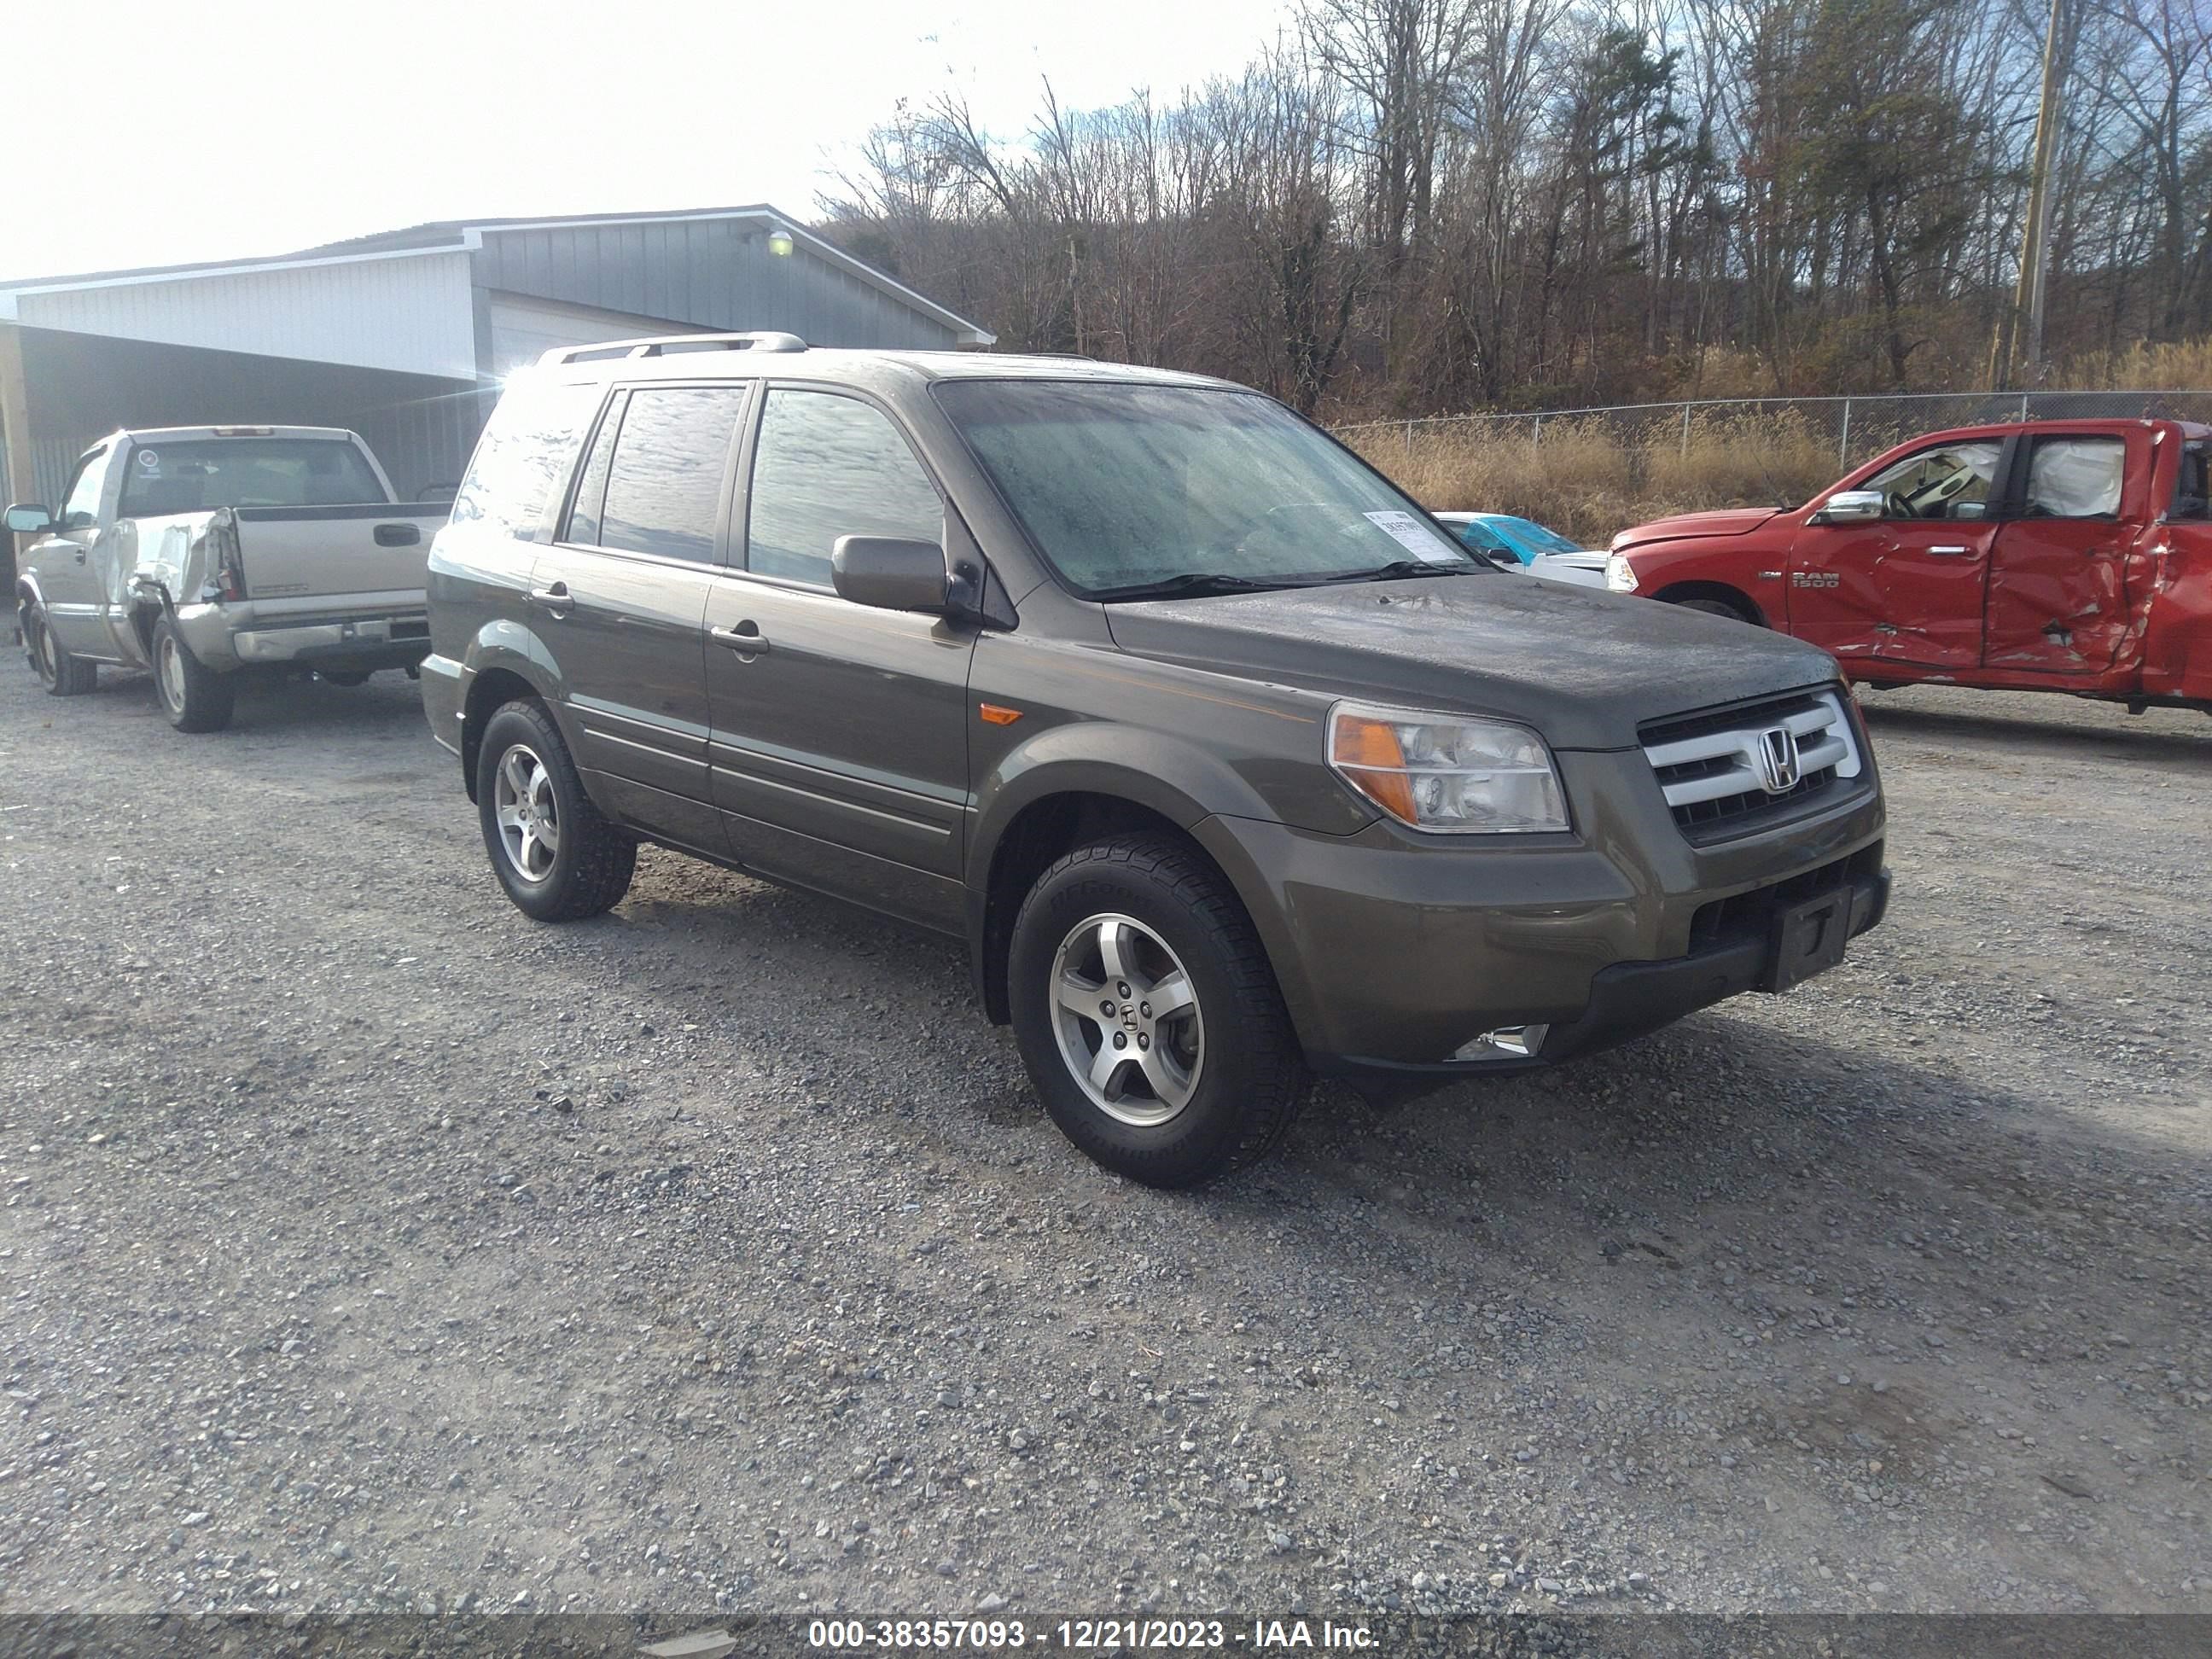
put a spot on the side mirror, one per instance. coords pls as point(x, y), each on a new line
point(1852, 506)
point(1970, 509)
point(28, 519)
point(889, 573)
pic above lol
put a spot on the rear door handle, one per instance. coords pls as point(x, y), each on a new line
point(555, 598)
point(1947, 550)
point(745, 639)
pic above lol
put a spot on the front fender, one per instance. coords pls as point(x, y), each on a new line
point(1728, 564)
point(1200, 789)
point(1172, 777)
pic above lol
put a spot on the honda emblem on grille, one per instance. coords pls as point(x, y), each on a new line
point(1778, 760)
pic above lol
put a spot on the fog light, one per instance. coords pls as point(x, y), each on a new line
point(1521, 1041)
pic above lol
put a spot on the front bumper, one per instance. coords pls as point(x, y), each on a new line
point(1631, 999)
point(1394, 954)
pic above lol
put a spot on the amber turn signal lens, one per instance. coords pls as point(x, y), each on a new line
point(1369, 753)
point(998, 714)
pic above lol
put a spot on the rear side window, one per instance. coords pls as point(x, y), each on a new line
point(829, 466)
point(525, 453)
point(583, 523)
point(2075, 478)
point(2192, 491)
point(670, 462)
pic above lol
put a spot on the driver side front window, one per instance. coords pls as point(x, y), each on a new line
point(81, 504)
point(1950, 481)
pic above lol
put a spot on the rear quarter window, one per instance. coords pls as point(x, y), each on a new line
point(525, 454)
point(2192, 489)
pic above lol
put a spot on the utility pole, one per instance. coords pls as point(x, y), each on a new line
point(2019, 337)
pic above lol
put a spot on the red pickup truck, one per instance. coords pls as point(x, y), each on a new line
point(2062, 556)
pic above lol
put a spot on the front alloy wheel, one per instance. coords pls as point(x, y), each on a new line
point(62, 674)
point(1128, 1020)
point(528, 814)
point(1147, 1013)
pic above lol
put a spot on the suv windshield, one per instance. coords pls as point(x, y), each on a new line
point(161, 478)
point(1131, 489)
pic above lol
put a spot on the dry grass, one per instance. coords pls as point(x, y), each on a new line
point(1585, 480)
point(2177, 365)
point(1590, 476)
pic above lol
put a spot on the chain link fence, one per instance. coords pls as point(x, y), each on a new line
point(1859, 427)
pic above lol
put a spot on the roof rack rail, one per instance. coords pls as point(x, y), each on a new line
point(672, 345)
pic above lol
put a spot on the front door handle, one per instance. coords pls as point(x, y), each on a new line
point(1948, 551)
point(745, 639)
point(78, 556)
point(556, 599)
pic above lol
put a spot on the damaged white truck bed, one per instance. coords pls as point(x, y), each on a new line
point(203, 553)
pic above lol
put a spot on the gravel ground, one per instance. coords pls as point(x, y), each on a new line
point(367, 1246)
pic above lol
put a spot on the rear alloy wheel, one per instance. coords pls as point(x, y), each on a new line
point(557, 857)
point(192, 696)
point(62, 674)
point(1148, 1015)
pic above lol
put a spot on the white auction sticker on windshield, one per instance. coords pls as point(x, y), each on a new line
point(1409, 534)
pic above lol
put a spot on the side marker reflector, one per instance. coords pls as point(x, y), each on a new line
point(998, 714)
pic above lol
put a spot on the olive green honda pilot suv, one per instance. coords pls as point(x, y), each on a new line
point(1228, 764)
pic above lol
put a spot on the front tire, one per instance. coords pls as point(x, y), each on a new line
point(1718, 608)
point(1148, 1016)
point(62, 674)
point(554, 852)
point(192, 696)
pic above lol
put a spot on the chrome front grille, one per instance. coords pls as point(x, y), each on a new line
point(1731, 770)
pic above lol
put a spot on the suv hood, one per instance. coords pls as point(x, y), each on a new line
point(1583, 667)
point(1732, 521)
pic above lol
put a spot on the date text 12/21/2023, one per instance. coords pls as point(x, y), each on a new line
point(1084, 1635)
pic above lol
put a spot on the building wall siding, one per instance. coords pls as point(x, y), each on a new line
point(710, 273)
point(408, 315)
point(83, 387)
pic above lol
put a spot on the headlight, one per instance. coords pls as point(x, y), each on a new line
point(1619, 574)
point(1446, 773)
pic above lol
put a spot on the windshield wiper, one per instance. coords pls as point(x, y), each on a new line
point(1191, 584)
point(1399, 567)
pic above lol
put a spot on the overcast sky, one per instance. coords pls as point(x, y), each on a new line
point(148, 134)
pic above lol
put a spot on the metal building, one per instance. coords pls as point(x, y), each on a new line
point(403, 336)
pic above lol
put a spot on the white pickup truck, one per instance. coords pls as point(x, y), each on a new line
point(206, 552)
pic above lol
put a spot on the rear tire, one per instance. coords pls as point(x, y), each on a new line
point(554, 852)
point(194, 696)
point(1148, 1016)
point(62, 674)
